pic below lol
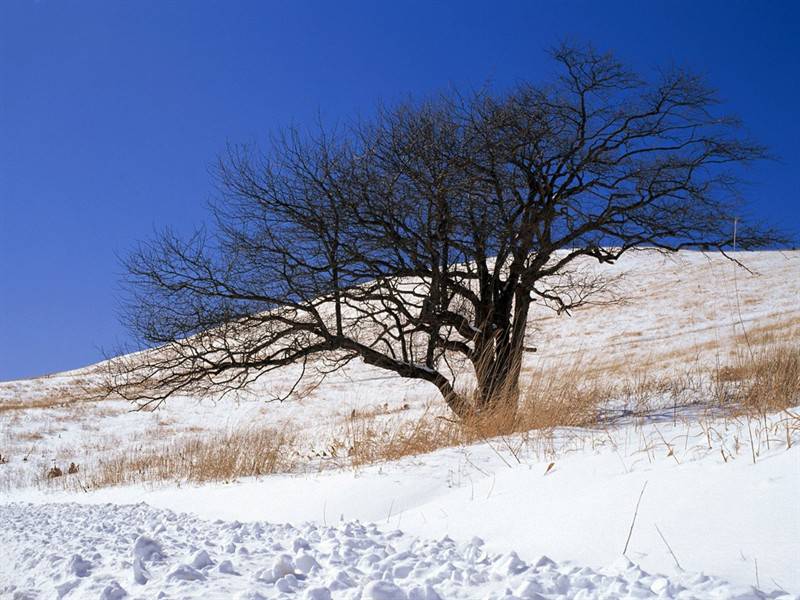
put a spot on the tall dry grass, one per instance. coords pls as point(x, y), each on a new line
point(211, 457)
point(360, 442)
point(565, 396)
point(550, 399)
point(761, 380)
point(755, 382)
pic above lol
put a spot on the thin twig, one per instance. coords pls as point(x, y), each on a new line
point(752, 444)
point(755, 562)
point(738, 304)
point(633, 521)
point(666, 543)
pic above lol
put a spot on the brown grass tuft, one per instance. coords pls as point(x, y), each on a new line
point(766, 380)
point(361, 441)
point(222, 456)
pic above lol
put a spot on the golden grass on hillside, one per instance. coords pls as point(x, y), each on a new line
point(77, 393)
point(222, 456)
point(762, 380)
point(766, 382)
point(758, 380)
point(362, 442)
point(57, 400)
point(781, 329)
point(551, 399)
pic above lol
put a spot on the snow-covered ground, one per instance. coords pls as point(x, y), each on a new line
point(701, 511)
point(111, 551)
point(718, 495)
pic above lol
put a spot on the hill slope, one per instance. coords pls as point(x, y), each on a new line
point(716, 488)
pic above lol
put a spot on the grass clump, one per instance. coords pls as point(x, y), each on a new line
point(211, 457)
point(762, 381)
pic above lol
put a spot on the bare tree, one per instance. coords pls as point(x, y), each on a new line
point(422, 236)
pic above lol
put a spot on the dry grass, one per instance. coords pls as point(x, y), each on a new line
point(779, 329)
point(551, 399)
point(760, 378)
point(762, 381)
point(63, 396)
point(50, 401)
point(360, 442)
point(216, 456)
point(565, 397)
point(560, 398)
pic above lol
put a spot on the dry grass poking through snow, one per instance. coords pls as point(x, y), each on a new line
point(758, 381)
point(551, 399)
point(221, 457)
point(761, 381)
point(61, 398)
point(362, 442)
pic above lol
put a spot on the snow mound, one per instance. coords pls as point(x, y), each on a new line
point(116, 551)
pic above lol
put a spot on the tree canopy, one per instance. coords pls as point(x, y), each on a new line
point(419, 238)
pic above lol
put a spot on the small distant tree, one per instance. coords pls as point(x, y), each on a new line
point(418, 240)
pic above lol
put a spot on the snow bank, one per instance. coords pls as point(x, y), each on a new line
point(719, 513)
point(116, 551)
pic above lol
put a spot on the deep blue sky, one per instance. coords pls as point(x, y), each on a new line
point(111, 112)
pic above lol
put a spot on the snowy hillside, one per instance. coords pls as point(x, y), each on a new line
point(686, 484)
point(698, 513)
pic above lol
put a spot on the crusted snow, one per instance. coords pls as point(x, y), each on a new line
point(115, 551)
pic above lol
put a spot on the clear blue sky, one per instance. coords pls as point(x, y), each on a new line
point(111, 112)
